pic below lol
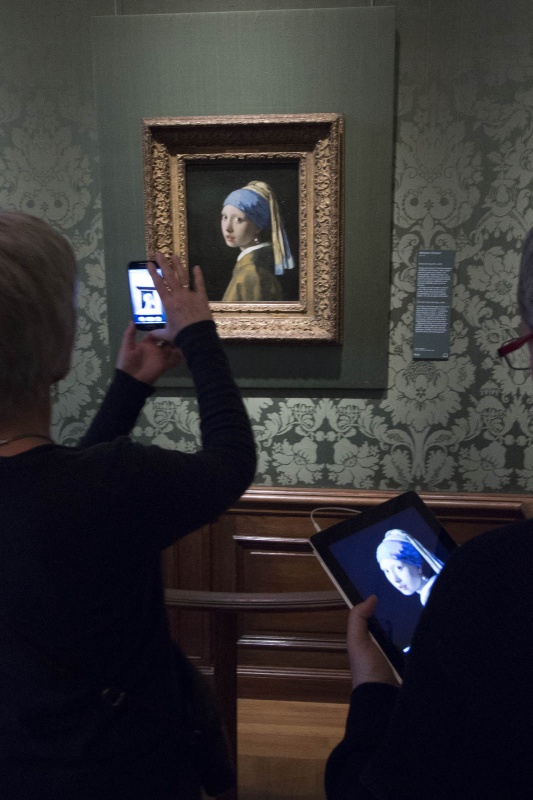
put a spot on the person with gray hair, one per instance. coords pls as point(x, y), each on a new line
point(37, 314)
point(516, 353)
point(461, 723)
point(525, 282)
point(92, 700)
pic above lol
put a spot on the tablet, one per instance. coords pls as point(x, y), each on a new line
point(396, 551)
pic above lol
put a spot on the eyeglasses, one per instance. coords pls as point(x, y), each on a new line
point(515, 354)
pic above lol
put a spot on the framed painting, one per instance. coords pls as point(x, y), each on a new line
point(257, 202)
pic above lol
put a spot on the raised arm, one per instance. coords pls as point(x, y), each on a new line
point(196, 486)
point(141, 362)
point(185, 490)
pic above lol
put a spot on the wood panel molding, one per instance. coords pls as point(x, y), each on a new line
point(452, 505)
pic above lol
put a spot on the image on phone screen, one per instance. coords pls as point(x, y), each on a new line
point(147, 309)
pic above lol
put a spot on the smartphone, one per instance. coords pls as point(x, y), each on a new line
point(146, 306)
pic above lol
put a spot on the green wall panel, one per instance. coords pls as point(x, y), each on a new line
point(292, 61)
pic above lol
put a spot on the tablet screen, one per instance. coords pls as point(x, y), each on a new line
point(396, 551)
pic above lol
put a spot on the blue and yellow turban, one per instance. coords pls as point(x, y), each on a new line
point(258, 202)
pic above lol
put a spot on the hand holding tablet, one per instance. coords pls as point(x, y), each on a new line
point(394, 550)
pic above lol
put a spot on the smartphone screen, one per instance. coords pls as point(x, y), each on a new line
point(147, 309)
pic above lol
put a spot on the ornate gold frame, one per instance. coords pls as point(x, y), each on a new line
point(315, 142)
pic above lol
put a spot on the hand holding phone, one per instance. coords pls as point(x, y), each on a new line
point(183, 305)
point(146, 359)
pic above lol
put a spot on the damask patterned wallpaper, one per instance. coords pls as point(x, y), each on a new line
point(463, 177)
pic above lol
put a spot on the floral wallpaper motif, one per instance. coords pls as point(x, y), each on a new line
point(46, 170)
point(463, 177)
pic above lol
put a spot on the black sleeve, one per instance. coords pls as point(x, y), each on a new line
point(204, 484)
point(224, 422)
point(371, 706)
point(119, 409)
point(169, 492)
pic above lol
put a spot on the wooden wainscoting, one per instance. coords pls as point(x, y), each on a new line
point(261, 545)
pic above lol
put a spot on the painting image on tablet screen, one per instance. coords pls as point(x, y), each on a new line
point(395, 551)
